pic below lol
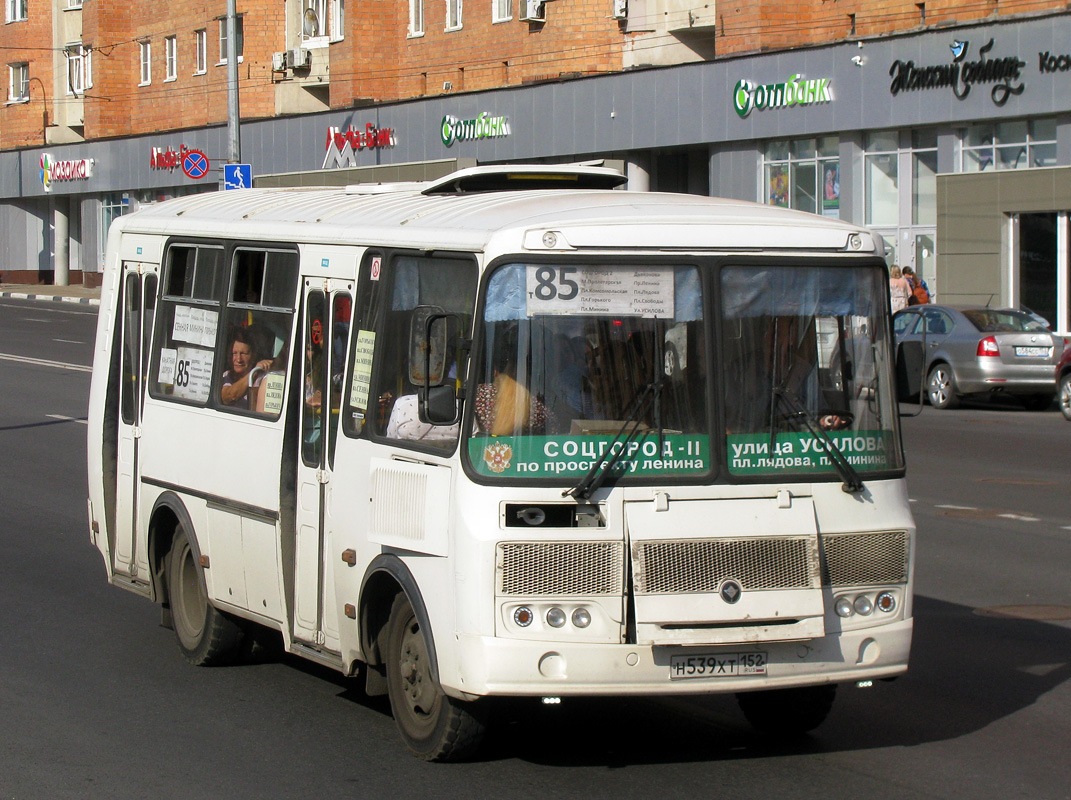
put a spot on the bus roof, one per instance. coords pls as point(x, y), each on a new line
point(449, 214)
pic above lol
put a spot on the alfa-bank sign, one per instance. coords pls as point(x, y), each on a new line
point(342, 144)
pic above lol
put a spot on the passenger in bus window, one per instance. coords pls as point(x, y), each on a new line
point(505, 407)
point(246, 370)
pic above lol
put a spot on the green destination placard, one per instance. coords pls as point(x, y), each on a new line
point(799, 451)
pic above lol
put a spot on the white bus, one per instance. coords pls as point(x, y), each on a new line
point(514, 432)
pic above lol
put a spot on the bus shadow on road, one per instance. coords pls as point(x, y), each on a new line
point(967, 671)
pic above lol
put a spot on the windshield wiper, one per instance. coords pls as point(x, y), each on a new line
point(852, 482)
point(604, 464)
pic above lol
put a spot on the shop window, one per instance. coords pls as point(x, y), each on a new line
point(924, 178)
point(112, 206)
point(803, 174)
point(882, 179)
point(1017, 144)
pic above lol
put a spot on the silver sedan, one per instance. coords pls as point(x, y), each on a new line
point(982, 351)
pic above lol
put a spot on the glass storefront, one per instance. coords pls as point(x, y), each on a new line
point(803, 174)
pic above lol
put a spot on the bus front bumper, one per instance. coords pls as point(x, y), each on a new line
point(515, 667)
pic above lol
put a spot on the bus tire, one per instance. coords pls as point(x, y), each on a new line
point(788, 713)
point(434, 726)
point(206, 636)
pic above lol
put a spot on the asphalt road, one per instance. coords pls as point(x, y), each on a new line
point(96, 701)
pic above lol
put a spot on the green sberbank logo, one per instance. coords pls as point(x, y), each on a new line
point(482, 127)
point(793, 92)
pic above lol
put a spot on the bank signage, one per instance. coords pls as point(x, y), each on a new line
point(962, 73)
point(168, 157)
point(796, 91)
point(78, 169)
point(342, 144)
point(483, 126)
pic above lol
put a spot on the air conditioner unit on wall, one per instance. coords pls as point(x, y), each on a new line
point(620, 9)
point(278, 62)
point(299, 58)
point(532, 11)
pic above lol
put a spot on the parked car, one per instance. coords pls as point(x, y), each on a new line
point(982, 351)
point(1063, 383)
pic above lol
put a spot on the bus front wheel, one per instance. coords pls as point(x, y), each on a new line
point(436, 727)
point(206, 636)
point(788, 712)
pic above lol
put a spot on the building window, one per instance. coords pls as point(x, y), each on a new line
point(16, 10)
point(882, 178)
point(79, 68)
point(1019, 144)
point(924, 178)
point(170, 58)
point(322, 19)
point(803, 174)
point(240, 47)
point(74, 3)
point(146, 64)
point(453, 14)
point(18, 90)
point(416, 17)
point(501, 10)
point(112, 206)
point(201, 38)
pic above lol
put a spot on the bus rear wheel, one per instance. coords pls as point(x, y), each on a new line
point(207, 637)
point(435, 727)
point(788, 713)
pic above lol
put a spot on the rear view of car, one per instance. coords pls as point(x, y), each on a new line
point(983, 351)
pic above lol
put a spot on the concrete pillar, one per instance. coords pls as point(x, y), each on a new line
point(638, 170)
point(61, 258)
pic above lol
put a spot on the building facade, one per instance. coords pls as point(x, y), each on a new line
point(946, 130)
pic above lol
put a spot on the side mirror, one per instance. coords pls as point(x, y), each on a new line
point(438, 405)
point(427, 346)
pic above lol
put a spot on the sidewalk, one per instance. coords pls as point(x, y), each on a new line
point(59, 294)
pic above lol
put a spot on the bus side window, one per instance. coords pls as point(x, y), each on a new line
point(449, 284)
point(363, 343)
point(187, 322)
point(258, 321)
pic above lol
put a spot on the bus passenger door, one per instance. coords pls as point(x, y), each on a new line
point(138, 298)
point(328, 311)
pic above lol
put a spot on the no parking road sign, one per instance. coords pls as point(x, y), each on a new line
point(195, 164)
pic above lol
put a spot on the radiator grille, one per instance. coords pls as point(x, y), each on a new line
point(691, 566)
point(560, 568)
point(862, 559)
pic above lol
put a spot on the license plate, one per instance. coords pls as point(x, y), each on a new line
point(1032, 352)
point(717, 665)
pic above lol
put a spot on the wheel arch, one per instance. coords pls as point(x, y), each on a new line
point(168, 512)
point(386, 577)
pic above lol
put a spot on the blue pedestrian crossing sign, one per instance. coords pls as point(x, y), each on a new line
point(237, 176)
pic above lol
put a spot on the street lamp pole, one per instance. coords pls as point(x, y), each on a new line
point(234, 141)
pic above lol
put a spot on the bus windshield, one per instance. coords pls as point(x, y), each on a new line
point(806, 369)
point(575, 355)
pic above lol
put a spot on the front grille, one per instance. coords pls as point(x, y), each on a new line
point(865, 559)
point(692, 566)
point(531, 569)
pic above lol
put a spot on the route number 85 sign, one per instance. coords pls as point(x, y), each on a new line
point(642, 292)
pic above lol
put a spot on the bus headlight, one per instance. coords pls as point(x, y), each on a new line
point(581, 617)
point(844, 607)
point(863, 605)
point(555, 617)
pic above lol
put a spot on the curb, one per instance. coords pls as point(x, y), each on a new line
point(85, 301)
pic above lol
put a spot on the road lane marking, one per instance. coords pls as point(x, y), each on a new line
point(68, 419)
point(68, 341)
point(43, 362)
point(1019, 517)
point(957, 508)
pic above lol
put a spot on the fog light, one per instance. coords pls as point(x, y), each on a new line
point(523, 616)
point(581, 617)
point(843, 607)
point(555, 618)
point(886, 602)
point(863, 605)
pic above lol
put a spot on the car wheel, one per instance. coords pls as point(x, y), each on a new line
point(436, 727)
point(941, 387)
point(1063, 396)
point(206, 636)
point(1037, 402)
point(788, 712)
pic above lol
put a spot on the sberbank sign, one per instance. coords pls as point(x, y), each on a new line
point(793, 92)
point(482, 127)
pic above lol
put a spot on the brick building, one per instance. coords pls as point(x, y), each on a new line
point(897, 115)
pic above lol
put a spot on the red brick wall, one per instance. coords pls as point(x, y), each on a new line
point(23, 124)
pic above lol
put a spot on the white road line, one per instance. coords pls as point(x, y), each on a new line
point(68, 341)
point(67, 419)
point(957, 508)
point(1019, 517)
point(42, 362)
